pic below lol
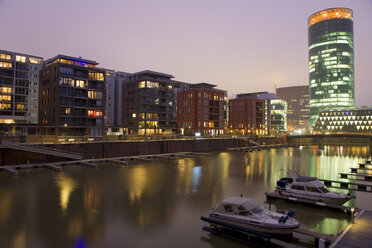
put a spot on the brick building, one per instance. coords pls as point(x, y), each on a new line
point(201, 110)
point(247, 115)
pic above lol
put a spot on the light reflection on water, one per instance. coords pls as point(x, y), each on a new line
point(159, 204)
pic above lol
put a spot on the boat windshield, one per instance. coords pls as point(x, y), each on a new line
point(254, 207)
point(323, 189)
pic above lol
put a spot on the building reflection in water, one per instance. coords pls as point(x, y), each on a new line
point(20, 239)
point(6, 201)
point(66, 186)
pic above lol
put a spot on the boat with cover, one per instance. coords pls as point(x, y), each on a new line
point(309, 188)
point(246, 213)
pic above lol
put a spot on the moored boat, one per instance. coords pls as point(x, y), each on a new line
point(246, 213)
point(309, 188)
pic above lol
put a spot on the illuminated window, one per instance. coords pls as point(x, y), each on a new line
point(94, 113)
point(5, 56)
point(5, 106)
point(66, 61)
point(6, 90)
point(5, 98)
point(96, 76)
point(21, 59)
point(20, 106)
point(80, 83)
point(7, 121)
point(142, 84)
point(35, 61)
point(66, 81)
point(68, 111)
point(134, 115)
point(92, 94)
point(151, 84)
point(6, 65)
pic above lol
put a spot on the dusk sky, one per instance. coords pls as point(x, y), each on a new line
point(239, 45)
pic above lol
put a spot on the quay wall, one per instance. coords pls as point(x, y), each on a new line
point(121, 149)
point(334, 139)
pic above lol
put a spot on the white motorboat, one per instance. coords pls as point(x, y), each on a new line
point(309, 188)
point(248, 214)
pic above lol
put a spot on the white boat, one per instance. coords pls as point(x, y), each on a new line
point(249, 214)
point(309, 188)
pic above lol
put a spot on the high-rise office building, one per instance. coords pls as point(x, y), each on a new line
point(297, 98)
point(331, 60)
point(72, 97)
point(19, 87)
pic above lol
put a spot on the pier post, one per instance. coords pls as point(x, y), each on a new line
point(352, 211)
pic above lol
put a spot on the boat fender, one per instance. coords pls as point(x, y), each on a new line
point(285, 218)
point(281, 219)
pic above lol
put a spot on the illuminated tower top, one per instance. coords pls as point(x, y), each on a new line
point(327, 14)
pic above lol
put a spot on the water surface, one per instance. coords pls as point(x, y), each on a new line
point(159, 204)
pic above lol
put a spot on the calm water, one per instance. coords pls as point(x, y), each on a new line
point(159, 204)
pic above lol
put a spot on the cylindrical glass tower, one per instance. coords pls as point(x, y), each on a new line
point(331, 60)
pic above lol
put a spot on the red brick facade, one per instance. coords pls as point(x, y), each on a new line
point(247, 116)
point(201, 111)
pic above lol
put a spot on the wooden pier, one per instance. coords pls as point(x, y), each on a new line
point(93, 163)
point(356, 176)
point(274, 195)
point(357, 234)
point(347, 185)
point(258, 148)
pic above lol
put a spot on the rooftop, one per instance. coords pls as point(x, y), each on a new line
point(153, 74)
point(203, 85)
point(73, 60)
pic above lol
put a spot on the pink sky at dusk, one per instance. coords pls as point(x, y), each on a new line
point(240, 45)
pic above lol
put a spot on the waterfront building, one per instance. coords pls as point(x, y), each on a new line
point(72, 97)
point(331, 60)
point(201, 110)
point(148, 105)
point(275, 112)
point(19, 88)
point(247, 115)
point(297, 98)
point(120, 79)
point(109, 117)
point(351, 120)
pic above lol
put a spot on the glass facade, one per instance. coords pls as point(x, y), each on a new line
point(331, 60)
point(278, 113)
point(351, 120)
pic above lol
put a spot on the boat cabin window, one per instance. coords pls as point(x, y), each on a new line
point(228, 208)
point(313, 189)
point(324, 190)
point(298, 187)
point(257, 210)
point(243, 211)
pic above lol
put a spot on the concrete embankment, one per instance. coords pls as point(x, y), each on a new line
point(331, 139)
point(116, 149)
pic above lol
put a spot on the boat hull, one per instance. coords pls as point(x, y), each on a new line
point(320, 198)
point(257, 227)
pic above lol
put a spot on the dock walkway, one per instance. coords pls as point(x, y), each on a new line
point(357, 234)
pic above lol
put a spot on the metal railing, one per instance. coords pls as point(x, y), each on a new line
point(43, 150)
